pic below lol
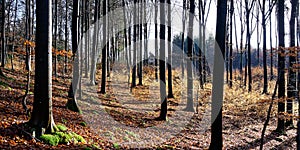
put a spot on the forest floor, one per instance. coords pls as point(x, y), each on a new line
point(124, 118)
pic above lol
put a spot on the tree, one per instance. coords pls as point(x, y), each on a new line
point(217, 97)
point(170, 85)
point(184, 16)
point(190, 103)
point(3, 46)
point(162, 63)
point(42, 115)
point(292, 79)
point(55, 37)
point(264, 17)
point(72, 101)
point(231, 44)
point(94, 45)
point(103, 81)
point(281, 66)
point(156, 39)
point(140, 67)
point(133, 82)
point(66, 38)
point(248, 12)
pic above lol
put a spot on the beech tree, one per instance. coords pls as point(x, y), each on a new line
point(104, 48)
point(281, 65)
point(217, 97)
point(292, 79)
point(42, 115)
point(72, 101)
point(190, 103)
point(169, 44)
point(162, 63)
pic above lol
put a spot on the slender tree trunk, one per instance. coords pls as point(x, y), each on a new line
point(94, 45)
point(281, 66)
point(133, 82)
point(156, 39)
point(248, 11)
point(231, 44)
point(104, 48)
point(3, 53)
point(55, 38)
point(217, 97)
point(265, 90)
point(271, 47)
point(72, 101)
point(66, 40)
point(292, 79)
point(182, 38)
point(170, 85)
point(190, 103)
point(200, 48)
point(14, 34)
point(141, 43)
point(162, 63)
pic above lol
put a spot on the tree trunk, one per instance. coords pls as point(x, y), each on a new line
point(231, 44)
point(162, 63)
point(133, 82)
point(281, 66)
point(218, 78)
point(248, 11)
point(94, 45)
point(3, 54)
point(292, 79)
point(156, 39)
point(170, 85)
point(55, 38)
point(66, 40)
point(72, 101)
point(141, 43)
point(190, 103)
point(265, 90)
point(42, 115)
point(182, 38)
point(103, 81)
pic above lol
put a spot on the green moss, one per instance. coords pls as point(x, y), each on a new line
point(62, 127)
point(64, 138)
point(78, 138)
point(83, 124)
point(95, 146)
point(50, 139)
point(87, 148)
point(116, 146)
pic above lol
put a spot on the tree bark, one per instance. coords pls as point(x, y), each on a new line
point(281, 66)
point(104, 48)
point(72, 101)
point(190, 103)
point(218, 76)
point(162, 63)
point(42, 115)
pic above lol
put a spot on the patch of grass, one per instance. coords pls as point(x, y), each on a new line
point(53, 140)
